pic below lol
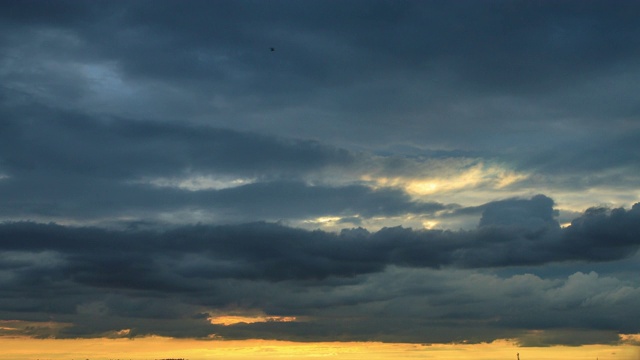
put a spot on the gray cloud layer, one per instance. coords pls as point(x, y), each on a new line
point(83, 169)
point(157, 282)
point(450, 71)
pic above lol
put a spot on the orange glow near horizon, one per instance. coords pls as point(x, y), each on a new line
point(21, 348)
point(233, 319)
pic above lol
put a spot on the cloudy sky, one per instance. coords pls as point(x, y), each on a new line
point(318, 171)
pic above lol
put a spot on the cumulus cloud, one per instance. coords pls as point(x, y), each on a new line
point(276, 252)
point(534, 213)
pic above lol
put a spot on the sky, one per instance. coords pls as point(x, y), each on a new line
point(350, 176)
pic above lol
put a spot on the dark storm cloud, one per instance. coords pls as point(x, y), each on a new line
point(297, 199)
point(517, 81)
point(534, 213)
point(586, 235)
point(155, 282)
point(77, 198)
point(274, 252)
point(72, 144)
point(605, 160)
point(446, 69)
point(66, 165)
point(510, 42)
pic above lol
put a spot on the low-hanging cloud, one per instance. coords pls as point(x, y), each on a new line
point(97, 282)
point(273, 252)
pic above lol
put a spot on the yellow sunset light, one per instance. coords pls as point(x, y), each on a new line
point(422, 187)
point(467, 177)
point(429, 224)
point(234, 319)
point(155, 347)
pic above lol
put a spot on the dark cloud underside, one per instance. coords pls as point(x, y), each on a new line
point(186, 268)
